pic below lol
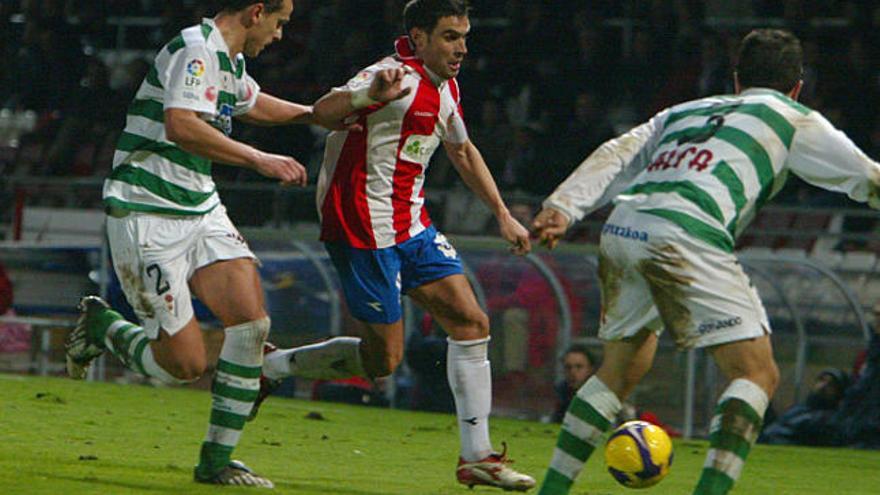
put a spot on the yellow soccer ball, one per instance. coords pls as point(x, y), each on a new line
point(638, 454)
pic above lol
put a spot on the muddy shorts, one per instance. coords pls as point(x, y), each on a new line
point(654, 275)
point(155, 255)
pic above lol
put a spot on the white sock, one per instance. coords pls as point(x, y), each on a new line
point(131, 345)
point(470, 378)
point(152, 369)
point(333, 359)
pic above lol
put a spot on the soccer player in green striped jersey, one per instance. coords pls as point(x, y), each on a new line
point(685, 185)
point(170, 235)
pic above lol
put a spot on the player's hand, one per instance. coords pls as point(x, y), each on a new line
point(549, 226)
point(284, 168)
point(386, 86)
point(513, 232)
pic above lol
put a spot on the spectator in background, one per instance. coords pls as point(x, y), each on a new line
point(857, 420)
point(578, 364)
point(809, 423)
point(836, 413)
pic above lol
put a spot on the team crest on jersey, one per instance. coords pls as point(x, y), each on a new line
point(223, 121)
point(418, 149)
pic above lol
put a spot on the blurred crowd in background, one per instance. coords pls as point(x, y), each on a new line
point(544, 83)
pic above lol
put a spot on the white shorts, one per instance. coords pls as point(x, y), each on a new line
point(155, 255)
point(654, 275)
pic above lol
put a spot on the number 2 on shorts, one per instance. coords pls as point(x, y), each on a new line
point(162, 286)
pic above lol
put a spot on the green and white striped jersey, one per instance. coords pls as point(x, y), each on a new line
point(709, 165)
point(194, 72)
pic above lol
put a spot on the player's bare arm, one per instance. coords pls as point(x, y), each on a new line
point(473, 170)
point(550, 226)
point(336, 106)
point(192, 134)
point(270, 111)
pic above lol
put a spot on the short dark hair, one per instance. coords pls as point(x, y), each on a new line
point(582, 349)
point(770, 58)
point(424, 14)
point(236, 5)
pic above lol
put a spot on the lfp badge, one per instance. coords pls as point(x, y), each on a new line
point(195, 67)
point(194, 70)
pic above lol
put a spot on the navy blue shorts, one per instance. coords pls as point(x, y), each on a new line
point(374, 279)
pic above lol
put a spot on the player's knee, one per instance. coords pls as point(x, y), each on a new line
point(382, 366)
point(473, 325)
point(189, 369)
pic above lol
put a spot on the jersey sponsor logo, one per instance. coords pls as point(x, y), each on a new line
point(710, 326)
point(424, 114)
point(418, 149)
point(194, 71)
point(211, 93)
point(625, 232)
point(695, 158)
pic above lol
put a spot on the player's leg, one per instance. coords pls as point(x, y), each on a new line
point(452, 303)
point(706, 300)
point(629, 326)
point(225, 278)
point(231, 290)
point(173, 358)
point(753, 376)
point(594, 408)
point(370, 281)
point(168, 346)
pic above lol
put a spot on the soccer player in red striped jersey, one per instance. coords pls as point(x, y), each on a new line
point(380, 237)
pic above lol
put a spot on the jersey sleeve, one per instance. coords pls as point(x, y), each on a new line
point(825, 157)
point(607, 171)
point(456, 130)
point(248, 90)
point(187, 77)
point(361, 80)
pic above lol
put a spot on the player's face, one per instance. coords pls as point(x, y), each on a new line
point(577, 369)
point(444, 48)
point(267, 29)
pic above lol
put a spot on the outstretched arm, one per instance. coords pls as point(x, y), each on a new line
point(603, 175)
point(473, 170)
point(194, 135)
point(827, 158)
point(338, 105)
point(270, 110)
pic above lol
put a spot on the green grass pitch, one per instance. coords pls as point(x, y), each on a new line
point(60, 437)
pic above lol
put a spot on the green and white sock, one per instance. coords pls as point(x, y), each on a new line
point(236, 386)
point(734, 429)
point(130, 344)
point(590, 414)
